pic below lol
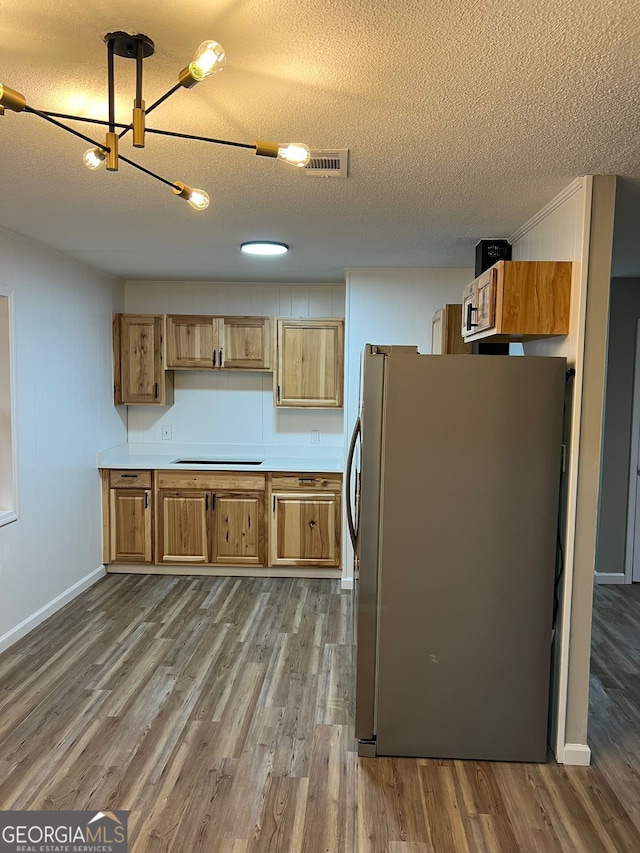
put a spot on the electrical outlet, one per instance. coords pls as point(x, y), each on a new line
point(166, 433)
point(315, 436)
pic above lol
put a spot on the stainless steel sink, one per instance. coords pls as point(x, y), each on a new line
point(219, 461)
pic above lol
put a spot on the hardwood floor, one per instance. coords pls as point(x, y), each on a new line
point(218, 711)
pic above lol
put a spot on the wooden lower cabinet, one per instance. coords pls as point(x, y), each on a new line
point(130, 525)
point(183, 527)
point(176, 519)
point(305, 529)
point(198, 526)
point(238, 529)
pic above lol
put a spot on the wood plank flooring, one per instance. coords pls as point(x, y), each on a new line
point(219, 712)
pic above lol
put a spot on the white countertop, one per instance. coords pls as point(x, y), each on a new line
point(222, 459)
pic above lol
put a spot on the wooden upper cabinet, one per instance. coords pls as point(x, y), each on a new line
point(192, 341)
point(446, 338)
point(518, 301)
point(246, 343)
point(310, 363)
point(204, 342)
point(139, 374)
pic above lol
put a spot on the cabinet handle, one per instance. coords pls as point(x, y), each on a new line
point(470, 310)
point(214, 357)
point(307, 479)
point(146, 500)
point(206, 502)
point(274, 503)
point(312, 523)
point(220, 356)
point(155, 391)
point(213, 502)
point(278, 394)
point(129, 476)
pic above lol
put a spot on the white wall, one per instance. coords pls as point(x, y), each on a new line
point(64, 415)
point(6, 443)
point(233, 408)
point(390, 306)
point(561, 232)
point(624, 314)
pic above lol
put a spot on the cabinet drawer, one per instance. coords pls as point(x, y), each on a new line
point(307, 482)
point(130, 479)
point(213, 480)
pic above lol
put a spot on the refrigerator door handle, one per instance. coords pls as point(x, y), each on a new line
point(352, 522)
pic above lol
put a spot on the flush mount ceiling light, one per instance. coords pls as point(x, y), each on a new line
point(209, 59)
point(264, 247)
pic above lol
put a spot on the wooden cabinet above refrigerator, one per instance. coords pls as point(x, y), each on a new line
point(518, 301)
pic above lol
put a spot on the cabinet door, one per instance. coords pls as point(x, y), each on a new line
point(192, 342)
point(469, 310)
point(141, 363)
point(238, 529)
point(452, 341)
point(130, 525)
point(486, 288)
point(183, 526)
point(305, 530)
point(246, 343)
point(310, 363)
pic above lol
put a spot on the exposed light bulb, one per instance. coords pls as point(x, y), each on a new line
point(209, 59)
point(198, 199)
point(93, 158)
point(296, 153)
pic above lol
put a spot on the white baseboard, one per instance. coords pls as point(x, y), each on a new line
point(610, 577)
point(577, 754)
point(49, 609)
point(346, 583)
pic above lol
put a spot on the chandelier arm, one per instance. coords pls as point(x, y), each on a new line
point(201, 138)
point(153, 106)
point(139, 58)
point(164, 97)
point(111, 87)
point(46, 117)
point(79, 118)
point(148, 172)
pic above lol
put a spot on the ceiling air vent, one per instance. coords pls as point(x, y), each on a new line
point(328, 163)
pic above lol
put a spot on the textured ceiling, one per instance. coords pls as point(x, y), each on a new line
point(462, 120)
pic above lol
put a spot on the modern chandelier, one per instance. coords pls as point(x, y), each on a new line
point(209, 59)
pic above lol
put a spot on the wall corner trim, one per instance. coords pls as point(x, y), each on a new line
point(562, 196)
point(49, 609)
point(577, 754)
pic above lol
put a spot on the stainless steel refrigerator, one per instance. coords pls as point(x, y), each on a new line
point(456, 487)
